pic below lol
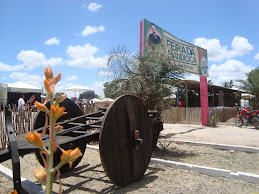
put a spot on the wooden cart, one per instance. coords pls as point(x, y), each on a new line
point(124, 132)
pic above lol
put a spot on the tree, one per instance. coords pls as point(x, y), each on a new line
point(112, 88)
point(251, 84)
point(210, 81)
point(229, 84)
point(88, 95)
point(150, 77)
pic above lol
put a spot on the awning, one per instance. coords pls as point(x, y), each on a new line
point(23, 88)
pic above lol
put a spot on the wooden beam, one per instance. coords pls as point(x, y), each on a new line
point(213, 97)
point(221, 98)
point(186, 93)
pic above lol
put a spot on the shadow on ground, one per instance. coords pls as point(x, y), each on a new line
point(173, 134)
point(81, 174)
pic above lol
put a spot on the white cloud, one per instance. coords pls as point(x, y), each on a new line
point(230, 67)
point(81, 51)
point(219, 74)
point(72, 78)
point(91, 30)
point(83, 56)
point(32, 59)
point(4, 67)
point(34, 80)
point(256, 57)
point(230, 70)
point(52, 41)
point(61, 86)
point(216, 52)
point(94, 7)
point(98, 88)
point(241, 46)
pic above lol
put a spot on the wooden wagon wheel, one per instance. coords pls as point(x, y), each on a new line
point(125, 155)
point(72, 111)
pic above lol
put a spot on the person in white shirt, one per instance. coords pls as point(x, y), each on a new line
point(21, 102)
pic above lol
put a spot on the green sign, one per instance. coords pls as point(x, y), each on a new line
point(189, 57)
point(3, 93)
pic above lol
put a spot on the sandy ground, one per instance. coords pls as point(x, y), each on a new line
point(222, 134)
point(89, 176)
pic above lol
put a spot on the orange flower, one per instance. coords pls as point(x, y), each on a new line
point(70, 155)
point(41, 107)
point(48, 73)
point(57, 78)
point(56, 112)
point(40, 175)
point(58, 128)
point(49, 86)
point(50, 81)
point(61, 98)
point(14, 192)
point(34, 139)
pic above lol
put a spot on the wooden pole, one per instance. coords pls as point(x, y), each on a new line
point(204, 100)
point(186, 93)
point(213, 97)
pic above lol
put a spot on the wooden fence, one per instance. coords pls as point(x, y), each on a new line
point(22, 121)
point(193, 115)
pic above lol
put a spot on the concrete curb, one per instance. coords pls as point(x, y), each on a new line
point(247, 177)
point(222, 146)
point(27, 185)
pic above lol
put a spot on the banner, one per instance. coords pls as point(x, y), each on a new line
point(189, 57)
point(3, 93)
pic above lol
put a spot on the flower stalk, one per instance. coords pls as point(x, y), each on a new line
point(46, 177)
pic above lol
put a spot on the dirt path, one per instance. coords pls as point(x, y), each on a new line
point(223, 134)
point(89, 177)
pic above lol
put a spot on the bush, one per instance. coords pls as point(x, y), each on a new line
point(213, 121)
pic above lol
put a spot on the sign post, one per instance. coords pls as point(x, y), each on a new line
point(204, 100)
point(190, 58)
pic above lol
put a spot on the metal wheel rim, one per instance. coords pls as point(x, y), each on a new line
point(238, 122)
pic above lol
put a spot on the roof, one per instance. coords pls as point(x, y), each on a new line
point(23, 87)
point(195, 85)
point(77, 88)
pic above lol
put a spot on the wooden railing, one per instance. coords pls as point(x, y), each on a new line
point(193, 115)
point(22, 122)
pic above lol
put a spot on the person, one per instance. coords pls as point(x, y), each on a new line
point(153, 38)
point(21, 108)
point(92, 102)
point(180, 102)
point(21, 103)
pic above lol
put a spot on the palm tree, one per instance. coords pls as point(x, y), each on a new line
point(251, 84)
point(210, 81)
point(229, 84)
point(150, 77)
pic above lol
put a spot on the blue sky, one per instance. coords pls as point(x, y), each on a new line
point(75, 36)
